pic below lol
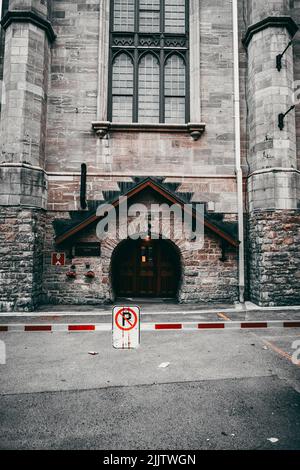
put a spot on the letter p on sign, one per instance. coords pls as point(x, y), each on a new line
point(126, 327)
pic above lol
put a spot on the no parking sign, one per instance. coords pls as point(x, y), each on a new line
point(126, 327)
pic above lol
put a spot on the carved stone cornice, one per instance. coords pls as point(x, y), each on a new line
point(271, 22)
point(28, 16)
point(102, 128)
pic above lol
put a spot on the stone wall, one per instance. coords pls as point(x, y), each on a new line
point(64, 191)
point(24, 108)
point(274, 257)
point(206, 277)
point(73, 102)
point(21, 254)
point(72, 106)
point(269, 93)
point(2, 43)
point(258, 10)
point(57, 288)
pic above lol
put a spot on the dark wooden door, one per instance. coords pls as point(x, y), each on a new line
point(146, 269)
point(168, 271)
point(125, 270)
point(146, 275)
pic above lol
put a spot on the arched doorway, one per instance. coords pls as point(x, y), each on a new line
point(146, 268)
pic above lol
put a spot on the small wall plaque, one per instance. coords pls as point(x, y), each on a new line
point(58, 259)
point(87, 249)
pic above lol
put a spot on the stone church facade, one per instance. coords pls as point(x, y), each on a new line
point(159, 101)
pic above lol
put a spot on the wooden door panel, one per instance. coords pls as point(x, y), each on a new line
point(125, 270)
point(147, 285)
point(146, 272)
point(168, 271)
point(126, 280)
point(148, 269)
point(168, 286)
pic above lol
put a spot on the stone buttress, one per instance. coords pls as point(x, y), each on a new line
point(23, 181)
point(274, 261)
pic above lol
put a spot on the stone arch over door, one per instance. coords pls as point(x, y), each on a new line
point(110, 247)
point(205, 277)
point(146, 268)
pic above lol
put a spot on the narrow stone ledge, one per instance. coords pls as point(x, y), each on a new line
point(22, 165)
point(274, 170)
point(271, 22)
point(102, 128)
point(28, 16)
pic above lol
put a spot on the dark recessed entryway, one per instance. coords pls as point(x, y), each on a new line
point(146, 268)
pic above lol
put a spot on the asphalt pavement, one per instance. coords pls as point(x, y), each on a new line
point(220, 390)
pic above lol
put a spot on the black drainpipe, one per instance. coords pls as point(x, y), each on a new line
point(83, 203)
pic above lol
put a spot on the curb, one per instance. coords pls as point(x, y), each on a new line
point(153, 326)
point(248, 307)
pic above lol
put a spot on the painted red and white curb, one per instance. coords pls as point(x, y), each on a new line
point(186, 326)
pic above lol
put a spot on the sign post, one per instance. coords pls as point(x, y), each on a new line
point(126, 327)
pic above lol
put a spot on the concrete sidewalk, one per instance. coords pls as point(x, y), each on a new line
point(161, 305)
point(154, 312)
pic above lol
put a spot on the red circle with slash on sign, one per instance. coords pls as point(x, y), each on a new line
point(131, 323)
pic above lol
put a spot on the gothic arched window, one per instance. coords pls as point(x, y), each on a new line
point(148, 92)
point(122, 88)
point(174, 89)
point(149, 61)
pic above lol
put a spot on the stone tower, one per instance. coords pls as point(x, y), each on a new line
point(23, 182)
point(273, 177)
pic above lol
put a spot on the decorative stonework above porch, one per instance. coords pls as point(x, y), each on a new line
point(66, 229)
point(102, 128)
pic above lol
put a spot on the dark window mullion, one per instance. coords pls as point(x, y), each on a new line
point(110, 71)
point(174, 96)
point(123, 94)
point(187, 62)
point(162, 87)
point(135, 85)
point(162, 16)
point(137, 16)
point(135, 100)
point(162, 64)
point(110, 81)
point(187, 88)
point(149, 9)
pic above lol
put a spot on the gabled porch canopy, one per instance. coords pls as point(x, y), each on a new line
point(67, 229)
